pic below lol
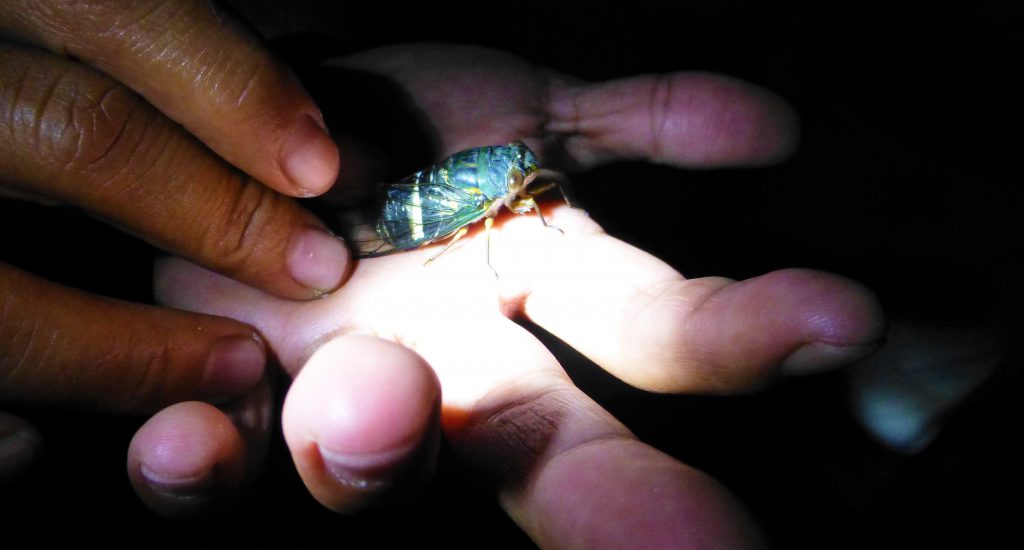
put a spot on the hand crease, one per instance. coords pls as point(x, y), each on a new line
point(660, 103)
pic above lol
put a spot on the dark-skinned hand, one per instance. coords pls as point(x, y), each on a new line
point(165, 119)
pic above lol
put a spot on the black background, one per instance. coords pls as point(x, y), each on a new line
point(907, 179)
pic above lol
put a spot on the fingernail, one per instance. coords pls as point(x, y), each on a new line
point(367, 472)
point(317, 259)
point(309, 157)
point(816, 357)
point(234, 366)
point(191, 487)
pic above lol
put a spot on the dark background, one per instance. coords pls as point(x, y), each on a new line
point(907, 179)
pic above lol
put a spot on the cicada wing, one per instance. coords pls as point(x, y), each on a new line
point(418, 212)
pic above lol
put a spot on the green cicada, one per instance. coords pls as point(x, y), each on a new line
point(443, 200)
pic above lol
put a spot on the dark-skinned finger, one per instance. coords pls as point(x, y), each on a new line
point(191, 459)
point(697, 120)
point(73, 134)
point(201, 69)
point(59, 345)
point(20, 446)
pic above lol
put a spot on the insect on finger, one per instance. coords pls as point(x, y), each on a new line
point(440, 201)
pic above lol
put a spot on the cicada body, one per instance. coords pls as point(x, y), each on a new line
point(444, 199)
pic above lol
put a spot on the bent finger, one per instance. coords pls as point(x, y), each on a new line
point(75, 135)
point(199, 67)
point(59, 345)
point(361, 421)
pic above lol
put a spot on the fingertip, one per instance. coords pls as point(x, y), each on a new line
point(722, 336)
point(317, 259)
point(795, 321)
point(361, 420)
point(186, 460)
point(844, 319)
point(234, 365)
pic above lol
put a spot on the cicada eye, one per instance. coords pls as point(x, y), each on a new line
point(515, 181)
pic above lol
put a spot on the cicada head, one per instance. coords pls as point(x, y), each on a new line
point(523, 169)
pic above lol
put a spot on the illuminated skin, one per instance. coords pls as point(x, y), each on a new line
point(363, 405)
point(363, 408)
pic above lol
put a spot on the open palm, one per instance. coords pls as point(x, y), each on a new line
point(403, 348)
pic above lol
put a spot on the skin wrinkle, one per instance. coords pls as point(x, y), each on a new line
point(144, 146)
point(27, 332)
point(658, 110)
point(149, 36)
point(566, 128)
point(638, 302)
point(43, 105)
point(8, 371)
point(706, 369)
point(98, 113)
point(232, 241)
point(655, 296)
point(152, 376)
point(49, 348)
point(250, 84)
point(13, 111)
point(507, 440)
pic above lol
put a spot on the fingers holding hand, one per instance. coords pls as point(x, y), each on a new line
point(59, 345)
point(196, 65)
point(75, 135)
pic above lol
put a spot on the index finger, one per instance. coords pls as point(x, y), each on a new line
point(202, 70)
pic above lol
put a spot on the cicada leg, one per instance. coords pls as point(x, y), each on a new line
point(525, 204)
point(488, 223)
point(455, 238)
point(538, 191)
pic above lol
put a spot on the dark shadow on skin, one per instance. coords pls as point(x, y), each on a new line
point(505, 437)
point(378, 128)
point(369, 115)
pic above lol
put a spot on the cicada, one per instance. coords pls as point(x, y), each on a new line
point(441, 201)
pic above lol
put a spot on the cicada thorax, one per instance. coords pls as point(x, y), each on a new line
point(438, 202)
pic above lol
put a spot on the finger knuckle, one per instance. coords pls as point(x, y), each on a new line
point(238, 234)
point(508, 437)
point(72, 120)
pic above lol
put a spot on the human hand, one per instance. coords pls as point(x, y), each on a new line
point(361, 416)
point(91, 98)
